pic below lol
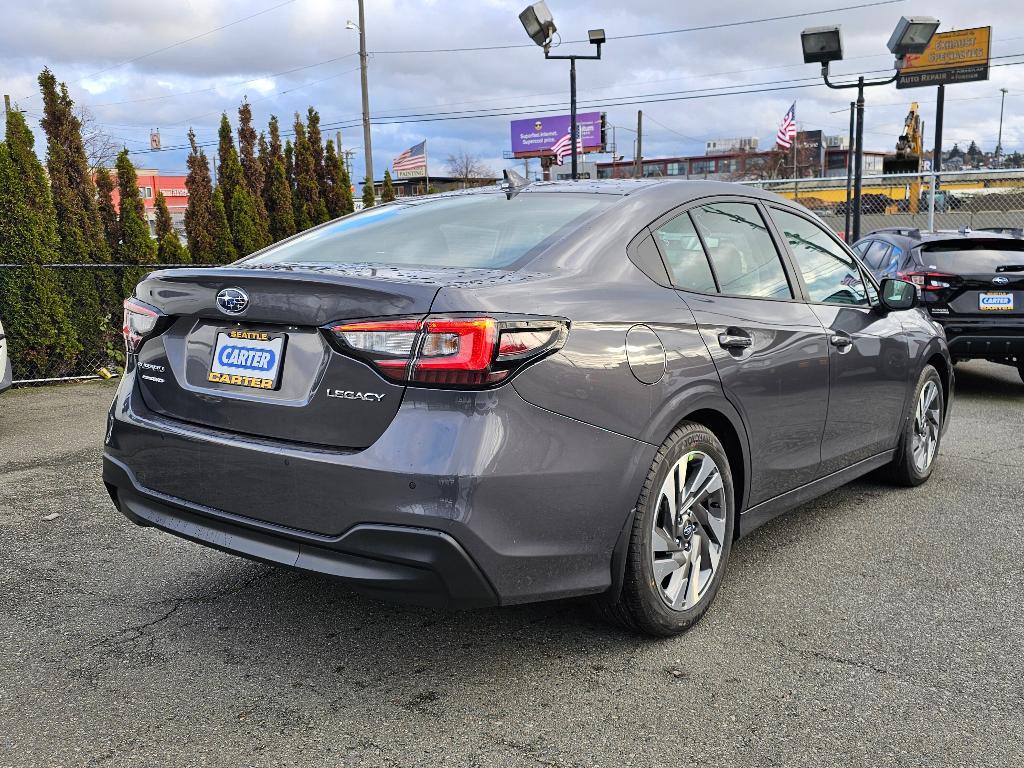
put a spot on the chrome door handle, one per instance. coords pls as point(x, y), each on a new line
point(838, 340)
point(733, 341)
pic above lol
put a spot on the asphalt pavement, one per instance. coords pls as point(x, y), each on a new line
point(875, 626)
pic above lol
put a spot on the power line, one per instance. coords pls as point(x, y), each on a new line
point(682, 30)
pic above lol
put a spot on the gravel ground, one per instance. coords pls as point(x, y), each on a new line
point(873, 627)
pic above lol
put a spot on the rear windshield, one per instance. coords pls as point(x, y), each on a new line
point(973, 256)
point(470, 231)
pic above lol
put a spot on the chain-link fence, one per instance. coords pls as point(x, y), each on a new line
point(63, 321)
point(987, 199)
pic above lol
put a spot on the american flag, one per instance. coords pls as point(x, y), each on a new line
point(787, 130)
point(563, 148)
point(412, 159)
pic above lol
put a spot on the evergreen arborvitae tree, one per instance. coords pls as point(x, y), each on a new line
point(387, 194)
point(229, 167)
point(245, 229)
point(108, 213)
point(223, 247)
point(334, 187)
point(309, 207)
point(263, 153)
point(95, 295)
point(136, 246)
point(289, 164)
point(316, 146)
point(169, 247)
point(33, 304)
point(253, 174)
point(368, 198)
point(199, 215)
point(279, 192)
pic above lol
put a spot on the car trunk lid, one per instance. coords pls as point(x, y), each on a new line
point(977, 278)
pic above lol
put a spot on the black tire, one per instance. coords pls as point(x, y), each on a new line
point(903, 470)
point(640, 606)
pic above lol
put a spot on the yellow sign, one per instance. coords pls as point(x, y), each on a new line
point(960, 56)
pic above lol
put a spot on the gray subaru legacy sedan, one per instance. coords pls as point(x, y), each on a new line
point(509, 395)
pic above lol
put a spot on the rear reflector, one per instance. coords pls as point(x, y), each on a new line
point(450, 352)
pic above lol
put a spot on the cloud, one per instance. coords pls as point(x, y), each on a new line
point(268, 59)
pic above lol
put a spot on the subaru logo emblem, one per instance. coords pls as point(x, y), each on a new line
point(1000, 280)
point(232, 301)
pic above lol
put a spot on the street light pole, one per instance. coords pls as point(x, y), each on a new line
point(858, 167)
point(999, 142)
point(573, 128)
point(849, 169)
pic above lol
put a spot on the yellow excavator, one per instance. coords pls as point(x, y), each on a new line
point(907, 158)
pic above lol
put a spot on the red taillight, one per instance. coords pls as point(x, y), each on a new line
point(928, 281)
point(459, 352)
point(139, 322)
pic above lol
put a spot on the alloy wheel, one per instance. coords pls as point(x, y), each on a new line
point(927, 420)
point(688, 533)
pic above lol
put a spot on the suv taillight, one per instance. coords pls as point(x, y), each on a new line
point(139, 322)
point(928, 281)
point(449, 351)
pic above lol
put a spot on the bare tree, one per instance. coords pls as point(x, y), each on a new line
point(100, 147)
point(469, 169)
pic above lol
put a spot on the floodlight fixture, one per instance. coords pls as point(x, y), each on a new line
point(538, 23)
point(822, 45)
point(912, 35)
point(596, 36)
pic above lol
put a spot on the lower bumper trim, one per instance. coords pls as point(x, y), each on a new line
point(420, 566)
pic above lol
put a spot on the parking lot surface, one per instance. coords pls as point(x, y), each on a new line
point(875, 626)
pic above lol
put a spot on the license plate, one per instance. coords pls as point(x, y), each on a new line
point(247, 359)
point(996, 301)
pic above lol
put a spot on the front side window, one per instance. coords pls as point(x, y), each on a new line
point(684, 255)
point(741, 250)
point(830, 274)
point(475, 231)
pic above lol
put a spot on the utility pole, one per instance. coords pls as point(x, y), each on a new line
point(999, 142)
point(638, 155)
point(849, 170)
point(7, 106)
point(367, 149)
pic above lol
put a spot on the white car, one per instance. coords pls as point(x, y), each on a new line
point(5, 362)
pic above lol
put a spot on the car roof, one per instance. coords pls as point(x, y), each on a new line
point(943, 235)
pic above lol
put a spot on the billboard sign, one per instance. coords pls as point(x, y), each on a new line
point(960, 56)
point(535, 136)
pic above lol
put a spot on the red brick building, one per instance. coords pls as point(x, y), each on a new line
point(173, 187)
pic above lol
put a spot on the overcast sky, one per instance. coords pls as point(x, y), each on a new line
point(299, 53)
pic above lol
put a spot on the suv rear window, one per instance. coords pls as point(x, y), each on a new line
point(484, 230)
point(972, 256)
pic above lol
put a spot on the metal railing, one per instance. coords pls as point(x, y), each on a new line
point(982, 199)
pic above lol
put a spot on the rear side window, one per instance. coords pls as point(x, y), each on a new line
point(742, 252)
point(830, 273)
point(474, 231)
point(876, 255)
point(684, 255)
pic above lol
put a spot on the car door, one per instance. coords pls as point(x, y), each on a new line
point(868, 352)
point(769, 349)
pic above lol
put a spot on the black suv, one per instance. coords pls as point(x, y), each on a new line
point(970, 281)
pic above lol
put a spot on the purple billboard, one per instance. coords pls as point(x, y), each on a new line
point(535, 136)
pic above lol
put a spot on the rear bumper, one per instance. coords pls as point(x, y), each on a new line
point(422, 566)
point(474, 499)
point(1001, 341)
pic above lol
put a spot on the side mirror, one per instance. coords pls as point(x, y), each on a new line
point(898, 295)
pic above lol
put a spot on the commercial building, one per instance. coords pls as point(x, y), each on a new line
point(150, 182)
point(817, 155)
